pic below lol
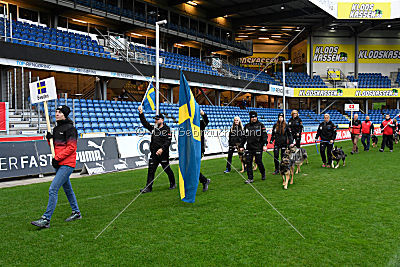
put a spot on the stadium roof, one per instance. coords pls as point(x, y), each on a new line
point(280, 20)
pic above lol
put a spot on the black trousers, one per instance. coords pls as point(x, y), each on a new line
point(154, 161)
point(202, 178)
point(278, 148)
point(230, 154)
point(363, 138)
point(387, 140)
point(249, 155)
point(297, 139)
point(328, 147)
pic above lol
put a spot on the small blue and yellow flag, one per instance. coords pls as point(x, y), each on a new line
point(189, 142)
point(41, 86)
point(149, 100)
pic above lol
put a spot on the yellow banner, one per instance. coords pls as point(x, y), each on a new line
point(334, 75)
point(364, 10)
point(346, 92)
point(333, 53)
point(384, 54)
point(258, 59)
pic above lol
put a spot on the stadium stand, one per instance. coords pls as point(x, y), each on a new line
point(371, 80)
point(50, 38)
point(122, 118)
point(377, 116)
point(398, 78)
point(301, 80)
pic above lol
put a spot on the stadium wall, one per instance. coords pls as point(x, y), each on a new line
point(346, 46)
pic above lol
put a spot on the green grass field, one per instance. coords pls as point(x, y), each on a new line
point(349, 216)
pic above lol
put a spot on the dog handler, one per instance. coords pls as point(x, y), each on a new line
point(355, 130)
point(327, 132)
point(282, 137)
point(65, 139)
point(367, 128)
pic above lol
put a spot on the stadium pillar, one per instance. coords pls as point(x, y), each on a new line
point(355, 55)
point(253, 100)
point(310, 64)
point(3, 85)
point(319, 106)
point(103, 85)
point(366, 106)
point(397, 103)
point(171, 94)
point(217, 98)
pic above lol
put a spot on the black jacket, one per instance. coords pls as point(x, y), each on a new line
point(255, 135)
point(295, 127)
point(160, 137)
point(327, 131)
point(235, 135)
point(203, 124)
point(280, 139)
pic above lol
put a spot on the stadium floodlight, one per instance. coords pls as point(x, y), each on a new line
point(158, 23)
point(283, 87)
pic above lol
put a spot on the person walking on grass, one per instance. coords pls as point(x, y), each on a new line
point(235, 136)
point(65, 139)
point(283, 139)
point(295, 127)
point(159, 150)
point(388, 128)
point(327, 132)
point(355, 130)
point(255, 137)
point(367, 128)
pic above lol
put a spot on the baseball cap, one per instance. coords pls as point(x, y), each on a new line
point(253, 114)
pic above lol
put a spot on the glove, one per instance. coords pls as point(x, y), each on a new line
point(49, 136)
point(55, 163)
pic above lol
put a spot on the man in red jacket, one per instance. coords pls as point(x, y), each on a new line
point(388, 130)
point(367, 128)
point(355, 130)
point(65, 143)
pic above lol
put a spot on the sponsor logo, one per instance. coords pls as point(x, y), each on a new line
point(257, 60)
point(99, 147)
point(338, 92)
point(96, 170)
point(365, 11)
point(379, 54)
point(92, 155)
point(393, 92)
point(121, 166)
point(329, 54)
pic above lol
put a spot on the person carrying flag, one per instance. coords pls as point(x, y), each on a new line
point(355, 130)
point(388, 128)
point(159, 149)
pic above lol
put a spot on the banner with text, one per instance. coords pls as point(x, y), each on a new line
point(346, 93)
point(364, 10)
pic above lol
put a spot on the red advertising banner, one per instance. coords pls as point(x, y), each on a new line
point(3, 117)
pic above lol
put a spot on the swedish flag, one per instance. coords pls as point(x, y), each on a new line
point(189, 142)
point(149, 101)
point(41, 86)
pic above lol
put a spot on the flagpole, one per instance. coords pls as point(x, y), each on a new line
point(46, 110)
point(158, 23)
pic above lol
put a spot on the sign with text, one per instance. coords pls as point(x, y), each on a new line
point(364, 10)
point(43, 90)
point(351, 107)
point(346, 92)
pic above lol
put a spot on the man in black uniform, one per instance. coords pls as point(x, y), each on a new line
point(203, 124)
point(295, 127)
point(327, 132)
point(256, 137)
point(159, 149)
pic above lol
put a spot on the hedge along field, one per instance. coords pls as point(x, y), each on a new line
point(348, 216)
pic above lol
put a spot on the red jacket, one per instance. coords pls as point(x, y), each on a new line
point(367, 127)
point(389, 128)
point(356, 128)
point(65, 139)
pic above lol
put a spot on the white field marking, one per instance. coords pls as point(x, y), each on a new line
point(272, 206)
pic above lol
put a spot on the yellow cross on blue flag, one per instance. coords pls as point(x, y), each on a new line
point(149, 100)
point(189, 142)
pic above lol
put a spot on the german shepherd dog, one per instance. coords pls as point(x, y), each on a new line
point(286, 168)
point(337, 155)
point(374, 140)
point(299, 155)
